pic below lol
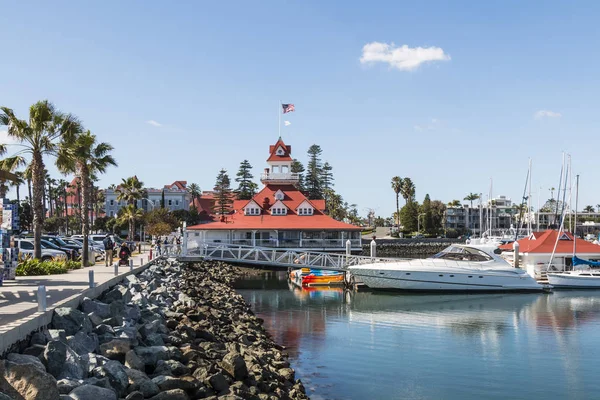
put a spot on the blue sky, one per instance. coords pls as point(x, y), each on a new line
point(494, 84)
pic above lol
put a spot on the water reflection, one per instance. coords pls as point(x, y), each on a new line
point(471, 346)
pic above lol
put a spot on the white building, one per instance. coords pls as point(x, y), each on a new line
point(176, 197)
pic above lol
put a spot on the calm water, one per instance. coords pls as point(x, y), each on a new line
point(393, 346)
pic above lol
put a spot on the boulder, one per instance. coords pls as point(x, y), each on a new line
point(151, 355)
point(55, 356)
point(26, 359)
point(83, 343)
point(94, 306)
point(38, 338)
point(71, 320)
point(117, 293)
point(140, 382)
point(175, 394)
point(218, 382)
point(37, 350)
point(115, 349)
point(235, 365)
point(171, 367)
point(91, 392)
point(169, 383)
point(135, 396)
point(66, 386)
point(26, 381)
point(133, 361)
point(116, 374)
point(56, 334)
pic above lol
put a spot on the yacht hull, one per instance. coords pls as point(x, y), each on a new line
point(437, 281)
point(574, 280)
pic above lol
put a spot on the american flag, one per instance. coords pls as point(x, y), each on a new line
point(288, 108)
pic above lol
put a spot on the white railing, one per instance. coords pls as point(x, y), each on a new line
point(293, 243)
point(289, 176)
point(309, 259)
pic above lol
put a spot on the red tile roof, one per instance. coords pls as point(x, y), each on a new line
point(181, 185)
point(543, 243)
point(287, 151)
point(292, 221)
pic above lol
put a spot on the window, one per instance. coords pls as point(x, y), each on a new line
point(252, 211)
point(112, 214)
point(27, 245)
point(279, 151)
point(112, 202)
point(279, 195)
point(170, 202)
point(278, 211)
point(176, 202)
point(305, 211)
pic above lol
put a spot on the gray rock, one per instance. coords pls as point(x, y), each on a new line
point(95, 319)
point(151, 355)
point(175, 394)
point(100, 382)
point(286, 373)
point(135, 396)
point(218, 382)
point(94, 306)
point(133, 313)
point(37, 350)
point(75, 366)
point(25, 359)
point(139, 381)
point(55, 356)
point(115, 349)
point(235, 365)
point(38, 338)
point(171, 367)
point(71, 320)
point(66, 386)
point(102, 329)
point(26, 381)
point(117, 293)
point(154, 339)
point(56, 334)
point(91, 392)
point(133, 361)
point(116, 374)
point(83, 343)
point(169, 382)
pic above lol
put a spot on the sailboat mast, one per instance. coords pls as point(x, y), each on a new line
point(576, 205)
point(529, 203)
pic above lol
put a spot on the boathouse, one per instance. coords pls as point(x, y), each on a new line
point(536, 249)
point(279, 215)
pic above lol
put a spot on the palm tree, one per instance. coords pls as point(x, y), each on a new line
point(84, 156)
point(130, 214)
point(39, 137)
point(9, 164)
point(454, 203)
point(397, 188)
point(408, 190)
point(17, 184)
point(471, 197)
point(195, 192)
point(588, 209)
point(131, 190)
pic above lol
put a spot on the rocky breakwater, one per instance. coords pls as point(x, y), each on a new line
point(174, 332)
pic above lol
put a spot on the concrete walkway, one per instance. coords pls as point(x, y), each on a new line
point(18, 298)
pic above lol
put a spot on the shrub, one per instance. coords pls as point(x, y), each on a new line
point(38, 267)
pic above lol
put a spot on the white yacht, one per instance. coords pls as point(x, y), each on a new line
point(460, 268)
point(578, 279)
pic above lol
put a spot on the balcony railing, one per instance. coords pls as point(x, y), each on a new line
point(293, 243)
point(270, 176)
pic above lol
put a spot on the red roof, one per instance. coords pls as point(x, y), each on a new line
point(181, 185)
point(292, 221)
point(543, 243)
point(287, 151)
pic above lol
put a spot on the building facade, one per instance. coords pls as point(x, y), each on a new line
point(176, 197)
point(498, 213)
point(280, 215)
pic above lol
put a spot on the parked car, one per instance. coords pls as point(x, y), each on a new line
point(25, 247)
point(99, 252)
point(72, 254)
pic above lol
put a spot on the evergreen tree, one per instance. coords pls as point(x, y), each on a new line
point(223, 194)
point(246, 188)
point(438, 213)
point(298, 168)
point(314, 173)
point(162, 199)
point(427, 216)
point(408, 217)
point(327, 176)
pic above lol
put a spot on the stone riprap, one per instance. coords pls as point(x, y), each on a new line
point(173, 332)
point(409, 248)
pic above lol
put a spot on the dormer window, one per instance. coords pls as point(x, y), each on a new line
point(279, 151)
point(278, 211)
point(305, 211)
point(252, 209)
point(279, 195)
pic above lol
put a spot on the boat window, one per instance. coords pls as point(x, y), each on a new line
point(585, 274)
point(463, 253)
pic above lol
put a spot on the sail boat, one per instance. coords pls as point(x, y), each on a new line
point(586, 278)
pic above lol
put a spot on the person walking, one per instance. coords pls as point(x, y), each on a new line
point(108, 248)
point(157, 245)
point(178, 243)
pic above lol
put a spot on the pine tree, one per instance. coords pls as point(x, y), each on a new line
point(427, 216)
point(327, 176)
point(298, 168)
point(314, 173)
point(223, 194)
point(246, 188)
point(162, 199)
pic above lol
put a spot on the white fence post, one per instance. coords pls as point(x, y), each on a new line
point(91, 275)
point(373, 248)
point(41, 298)
point(348, 247)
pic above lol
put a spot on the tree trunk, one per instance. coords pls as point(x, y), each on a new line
point(18, 195)
point(85, 215)
point(131, 228)
point(37, 172)
point(30, 197)
point(92, 200)
point(398, 211)
point(66, 211)
point(3, 189)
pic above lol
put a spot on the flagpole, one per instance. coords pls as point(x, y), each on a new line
point(279, 115)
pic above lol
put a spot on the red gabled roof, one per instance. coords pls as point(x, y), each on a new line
point(181, 185)
point(292, 199)
point(287, 151)
point(543, 243)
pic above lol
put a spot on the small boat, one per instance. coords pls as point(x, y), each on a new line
point(458, 268)
point(587, 278)
point(316, 277)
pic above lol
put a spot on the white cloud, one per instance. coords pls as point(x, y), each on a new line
point(287, 123)
point(153, 123)
point(546, 114)
point(403, 58)
point(428, 127)
point(5, 139)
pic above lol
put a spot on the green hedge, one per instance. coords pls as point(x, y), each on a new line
point(38, 267)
